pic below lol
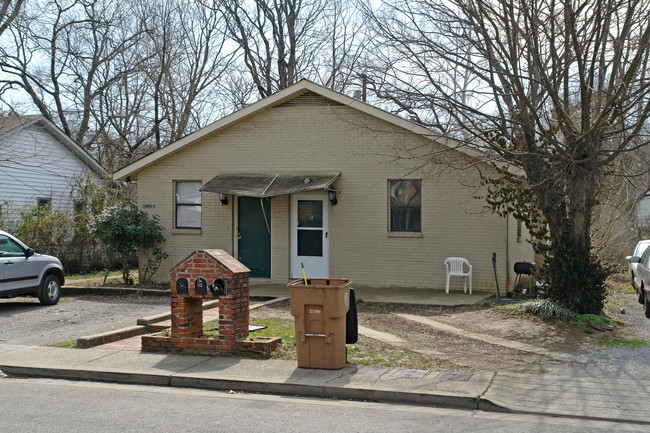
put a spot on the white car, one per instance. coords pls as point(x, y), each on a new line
point(643, 280)
point(638, 252)
point(24, 272)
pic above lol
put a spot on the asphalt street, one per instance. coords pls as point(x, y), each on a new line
point(63, 406)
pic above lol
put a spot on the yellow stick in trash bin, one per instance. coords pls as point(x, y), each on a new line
point(303, 272)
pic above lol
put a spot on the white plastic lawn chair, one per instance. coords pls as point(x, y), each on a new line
point(455, 268)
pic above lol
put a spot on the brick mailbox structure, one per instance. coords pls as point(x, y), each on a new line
point(209, 274)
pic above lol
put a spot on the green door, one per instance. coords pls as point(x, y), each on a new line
point(254, 237)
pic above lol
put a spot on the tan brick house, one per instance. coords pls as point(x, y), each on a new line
point(310, 176)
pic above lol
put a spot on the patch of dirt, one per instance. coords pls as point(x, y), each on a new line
point(470, 353)
point(277, 310)
point(465, 353)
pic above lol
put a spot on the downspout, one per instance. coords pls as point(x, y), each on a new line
point(507, 251)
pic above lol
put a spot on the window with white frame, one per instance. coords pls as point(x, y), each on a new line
point(188, 205)
point(405, 205)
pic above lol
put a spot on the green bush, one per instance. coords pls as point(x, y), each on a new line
point(124, 230)
point(67, 235)
point(90, 198)
point(45, 230)
point(575, 278)
point(585, 320)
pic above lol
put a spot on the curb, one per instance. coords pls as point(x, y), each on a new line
point(89, 375)
point(293, 389)
point(250, 386)
point(486, 405)
point(106, 291)
point(110, 336)
point(324, 391)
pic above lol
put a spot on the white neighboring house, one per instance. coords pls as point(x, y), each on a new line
point(39, 164)
point(642, 211)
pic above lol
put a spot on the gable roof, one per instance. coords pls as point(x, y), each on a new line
point(12, 122)
point(302, 87)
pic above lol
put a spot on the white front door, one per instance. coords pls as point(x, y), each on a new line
point(310, 235)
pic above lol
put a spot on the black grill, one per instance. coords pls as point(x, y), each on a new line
point(525, 268)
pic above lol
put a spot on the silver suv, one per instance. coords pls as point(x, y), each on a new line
point(23, 272)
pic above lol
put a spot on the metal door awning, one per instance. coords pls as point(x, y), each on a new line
point(269, 185)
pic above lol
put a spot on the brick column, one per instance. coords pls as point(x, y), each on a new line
point(187, 317)
point(234, 310)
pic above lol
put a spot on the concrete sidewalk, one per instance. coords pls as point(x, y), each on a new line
point(588, 398)
point(400, 295)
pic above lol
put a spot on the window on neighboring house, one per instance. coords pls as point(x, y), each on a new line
point(188, 205)
point(405, 205)
point(79, 207)
point(518, 231)
point(44, 202)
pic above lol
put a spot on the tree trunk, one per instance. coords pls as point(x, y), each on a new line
point(575, 277)
point(566, 197)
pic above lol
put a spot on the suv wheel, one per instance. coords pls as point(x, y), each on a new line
point(50, 290)
point(641, 295)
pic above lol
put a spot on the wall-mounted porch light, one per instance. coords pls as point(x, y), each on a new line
point(223, 198)
point(331, 193)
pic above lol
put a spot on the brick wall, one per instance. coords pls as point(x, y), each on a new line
point(365, 150)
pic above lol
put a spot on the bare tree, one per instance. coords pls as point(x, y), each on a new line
point(60, 51)
point(125, 79)
point(189, 62)
point(340, 62)
point(119, 79)
point(182, 58)
point(202, 61)
point(8, 12)
point(557, 87)
point(278, 39)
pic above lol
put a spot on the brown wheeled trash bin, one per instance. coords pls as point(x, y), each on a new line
point(319, 310)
